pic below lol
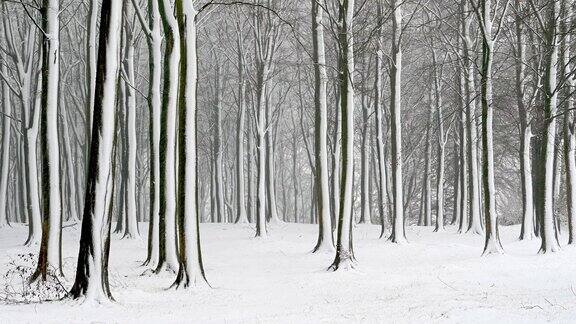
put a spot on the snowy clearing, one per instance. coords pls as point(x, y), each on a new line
point(438, 277)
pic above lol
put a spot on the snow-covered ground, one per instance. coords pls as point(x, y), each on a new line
point(437, 277)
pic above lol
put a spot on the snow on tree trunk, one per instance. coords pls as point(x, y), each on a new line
point(492, 243)
point(381, 151)
point(569, 121)
point(154, 41)
point(463, 221)
point(545, 176)
point(397, 235)
point(437, 84)
point(365, 217)
point(425, 218)
point(91, 281)
point(325, 241)
point(271, 166)
point(218, 150)
point(241, 216)
point(344, 258)
point(527, 227)
point(31, 164)
point(50, 250)
point(131, 226)
point(5, 148)
point(475, 225)
point(168, 257)
point(191, 270)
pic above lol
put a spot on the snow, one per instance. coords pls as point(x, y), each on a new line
point(436, 277)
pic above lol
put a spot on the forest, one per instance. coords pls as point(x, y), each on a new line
point(287, 161)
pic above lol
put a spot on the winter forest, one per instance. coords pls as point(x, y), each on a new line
point(287, 161)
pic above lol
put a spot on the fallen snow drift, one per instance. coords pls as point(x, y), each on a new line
point(437, 277)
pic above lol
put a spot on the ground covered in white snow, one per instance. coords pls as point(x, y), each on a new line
point(436, 277)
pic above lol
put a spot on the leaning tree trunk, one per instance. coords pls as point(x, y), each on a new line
point(50, 247)
point(191, 270)
point(398, 235)
point(344, 251)
point(91, 280)
point(325, 240)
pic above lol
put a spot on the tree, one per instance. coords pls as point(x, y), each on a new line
point(483, 12)
point(475, 224)
point(50, 257)
point(5, 148)
point(191, 268)
point(167, 217)
point(91, 280)
point(544, 179)
point(527, 229)
point(397, 235)
point(325, 240)
point(241, 216)
point(153, 34)
point(344, 258)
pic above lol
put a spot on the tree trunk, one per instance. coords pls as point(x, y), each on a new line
point(325, 240)
point(492, 243)
point(91, 280)
point(545, 164)
point(191, 271)
point(344, 250)
point(475, 225)
point(50, 248)
point(397, 235)
point(167, 216)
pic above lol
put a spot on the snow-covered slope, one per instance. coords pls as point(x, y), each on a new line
point(437, 277)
